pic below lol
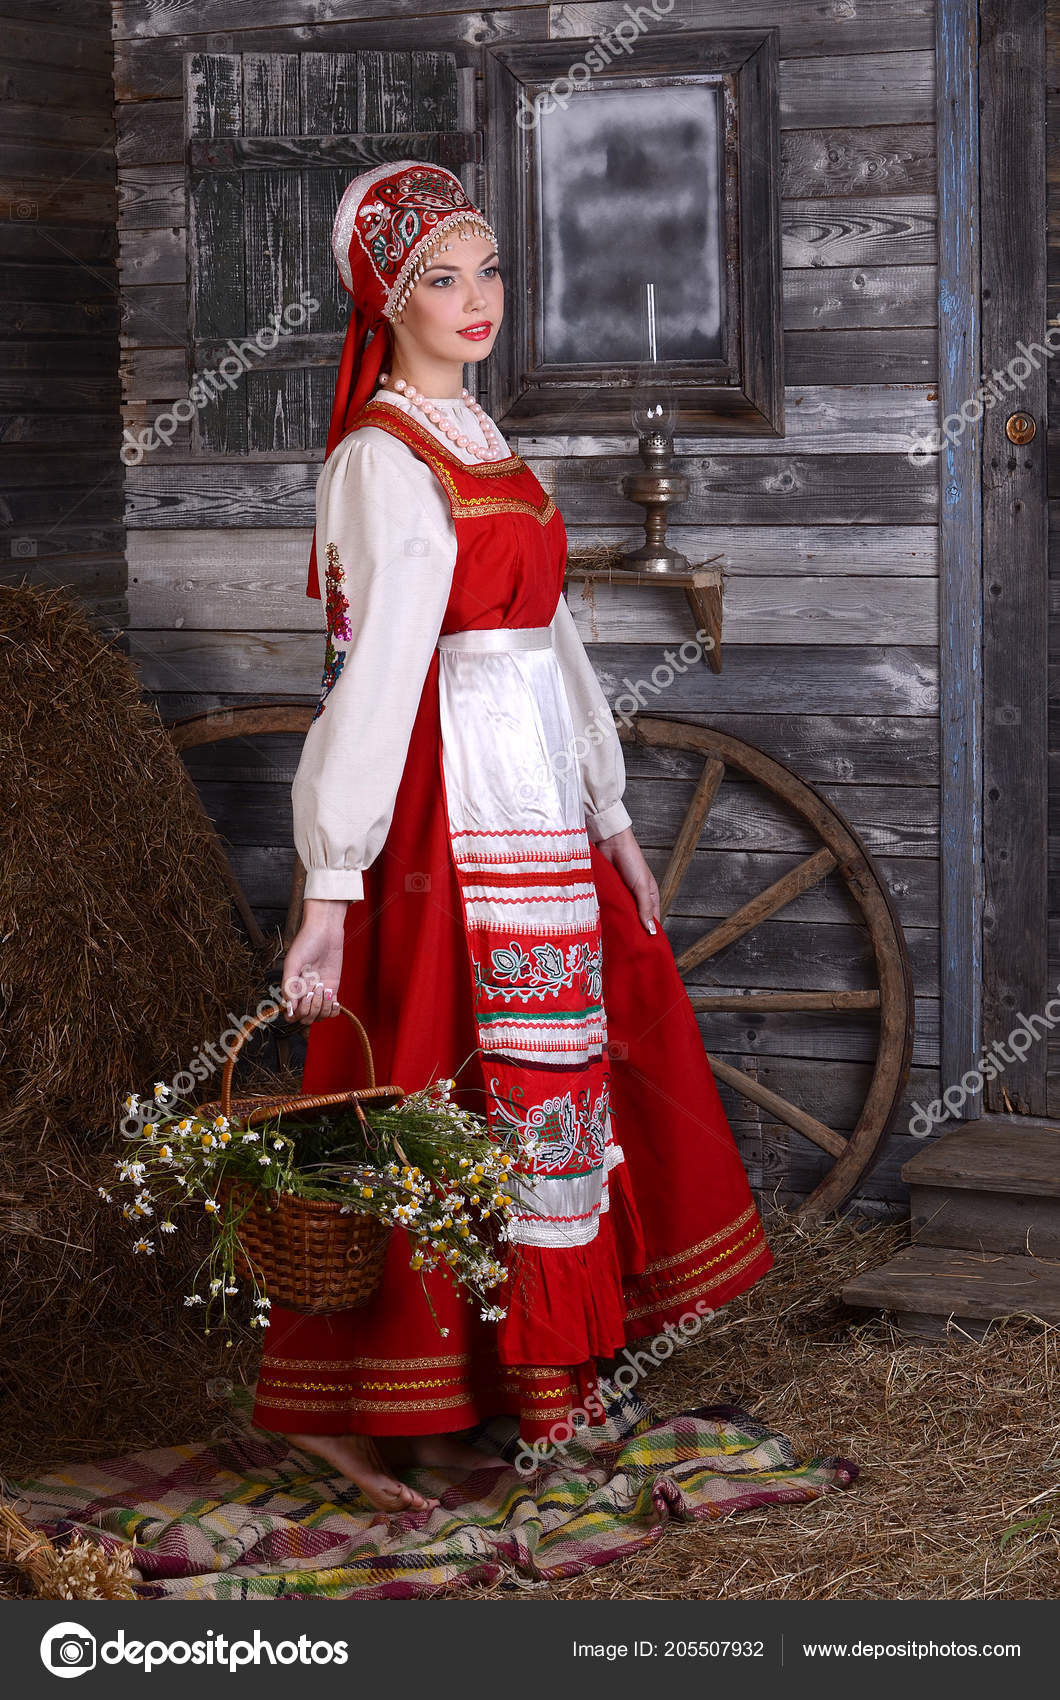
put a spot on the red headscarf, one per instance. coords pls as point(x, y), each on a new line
point(388, 220)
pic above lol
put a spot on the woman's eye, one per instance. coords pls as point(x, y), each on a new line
point(447, 277)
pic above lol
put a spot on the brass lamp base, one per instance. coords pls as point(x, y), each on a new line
point(655, 489)
point(648, 559)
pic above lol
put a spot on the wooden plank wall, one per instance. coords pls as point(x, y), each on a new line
point(829, 538)
point(1052, 43)
point(60, 428)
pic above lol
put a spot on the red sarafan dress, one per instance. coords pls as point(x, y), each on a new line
point(496, 945)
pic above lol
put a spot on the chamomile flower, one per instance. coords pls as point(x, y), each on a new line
point(211, 1207)
point(221, 1122)
point(249, 1138)
point(146, 1246)
point(168, 1227)
point(105, 1195)
point(194, 1299)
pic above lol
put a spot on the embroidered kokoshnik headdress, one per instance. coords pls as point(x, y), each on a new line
point(388, 223)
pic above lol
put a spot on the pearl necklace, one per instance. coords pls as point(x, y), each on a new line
point(495, 447)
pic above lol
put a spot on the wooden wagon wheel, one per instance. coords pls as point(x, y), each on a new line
point(843, 852)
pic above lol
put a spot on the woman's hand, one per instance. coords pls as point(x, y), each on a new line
point(313, 965)
point(624, 853)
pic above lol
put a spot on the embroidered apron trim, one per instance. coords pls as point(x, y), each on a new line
point(532, 923)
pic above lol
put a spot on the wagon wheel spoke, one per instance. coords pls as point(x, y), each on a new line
point(688, 837)
point(768, 902)
point(778, 1107)
point(801, 1002)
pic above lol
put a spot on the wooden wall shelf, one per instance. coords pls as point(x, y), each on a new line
point(701, 585)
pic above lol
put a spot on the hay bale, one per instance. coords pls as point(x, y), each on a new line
point(119, 959)
point(120, 953)
point(32, 1566)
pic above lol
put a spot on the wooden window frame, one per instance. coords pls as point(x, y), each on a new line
point(526, 396)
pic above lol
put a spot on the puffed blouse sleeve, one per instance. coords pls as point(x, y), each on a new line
point(600, 760)
point(386, 549)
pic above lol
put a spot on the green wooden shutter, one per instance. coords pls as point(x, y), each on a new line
point(273, 139)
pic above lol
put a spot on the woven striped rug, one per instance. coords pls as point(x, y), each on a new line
point(250, 1518)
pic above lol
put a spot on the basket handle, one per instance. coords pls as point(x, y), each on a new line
point(263, 1021)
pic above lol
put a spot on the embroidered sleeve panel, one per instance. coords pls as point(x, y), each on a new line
point(338, 623)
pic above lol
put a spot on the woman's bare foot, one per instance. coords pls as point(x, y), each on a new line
point(447, 1451)
point(358, 1457)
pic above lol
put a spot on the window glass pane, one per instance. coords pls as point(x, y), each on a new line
point(629, 180)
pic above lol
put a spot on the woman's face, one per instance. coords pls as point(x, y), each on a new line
point(461, 290)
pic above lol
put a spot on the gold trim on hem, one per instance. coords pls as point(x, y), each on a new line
point(685, 1275)
point(336, 1364)
point(410, 1404)
point(694, 1292)
point(703, 1245)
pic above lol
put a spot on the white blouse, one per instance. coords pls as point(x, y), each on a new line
point(385, 513)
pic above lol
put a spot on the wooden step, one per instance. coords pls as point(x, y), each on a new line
point(925, 1286)
point(990, 1185)
point(993, 1154)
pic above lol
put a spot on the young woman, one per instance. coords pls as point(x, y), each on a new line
point(475, 892)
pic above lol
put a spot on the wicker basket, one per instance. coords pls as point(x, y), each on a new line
point(311, 1257)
